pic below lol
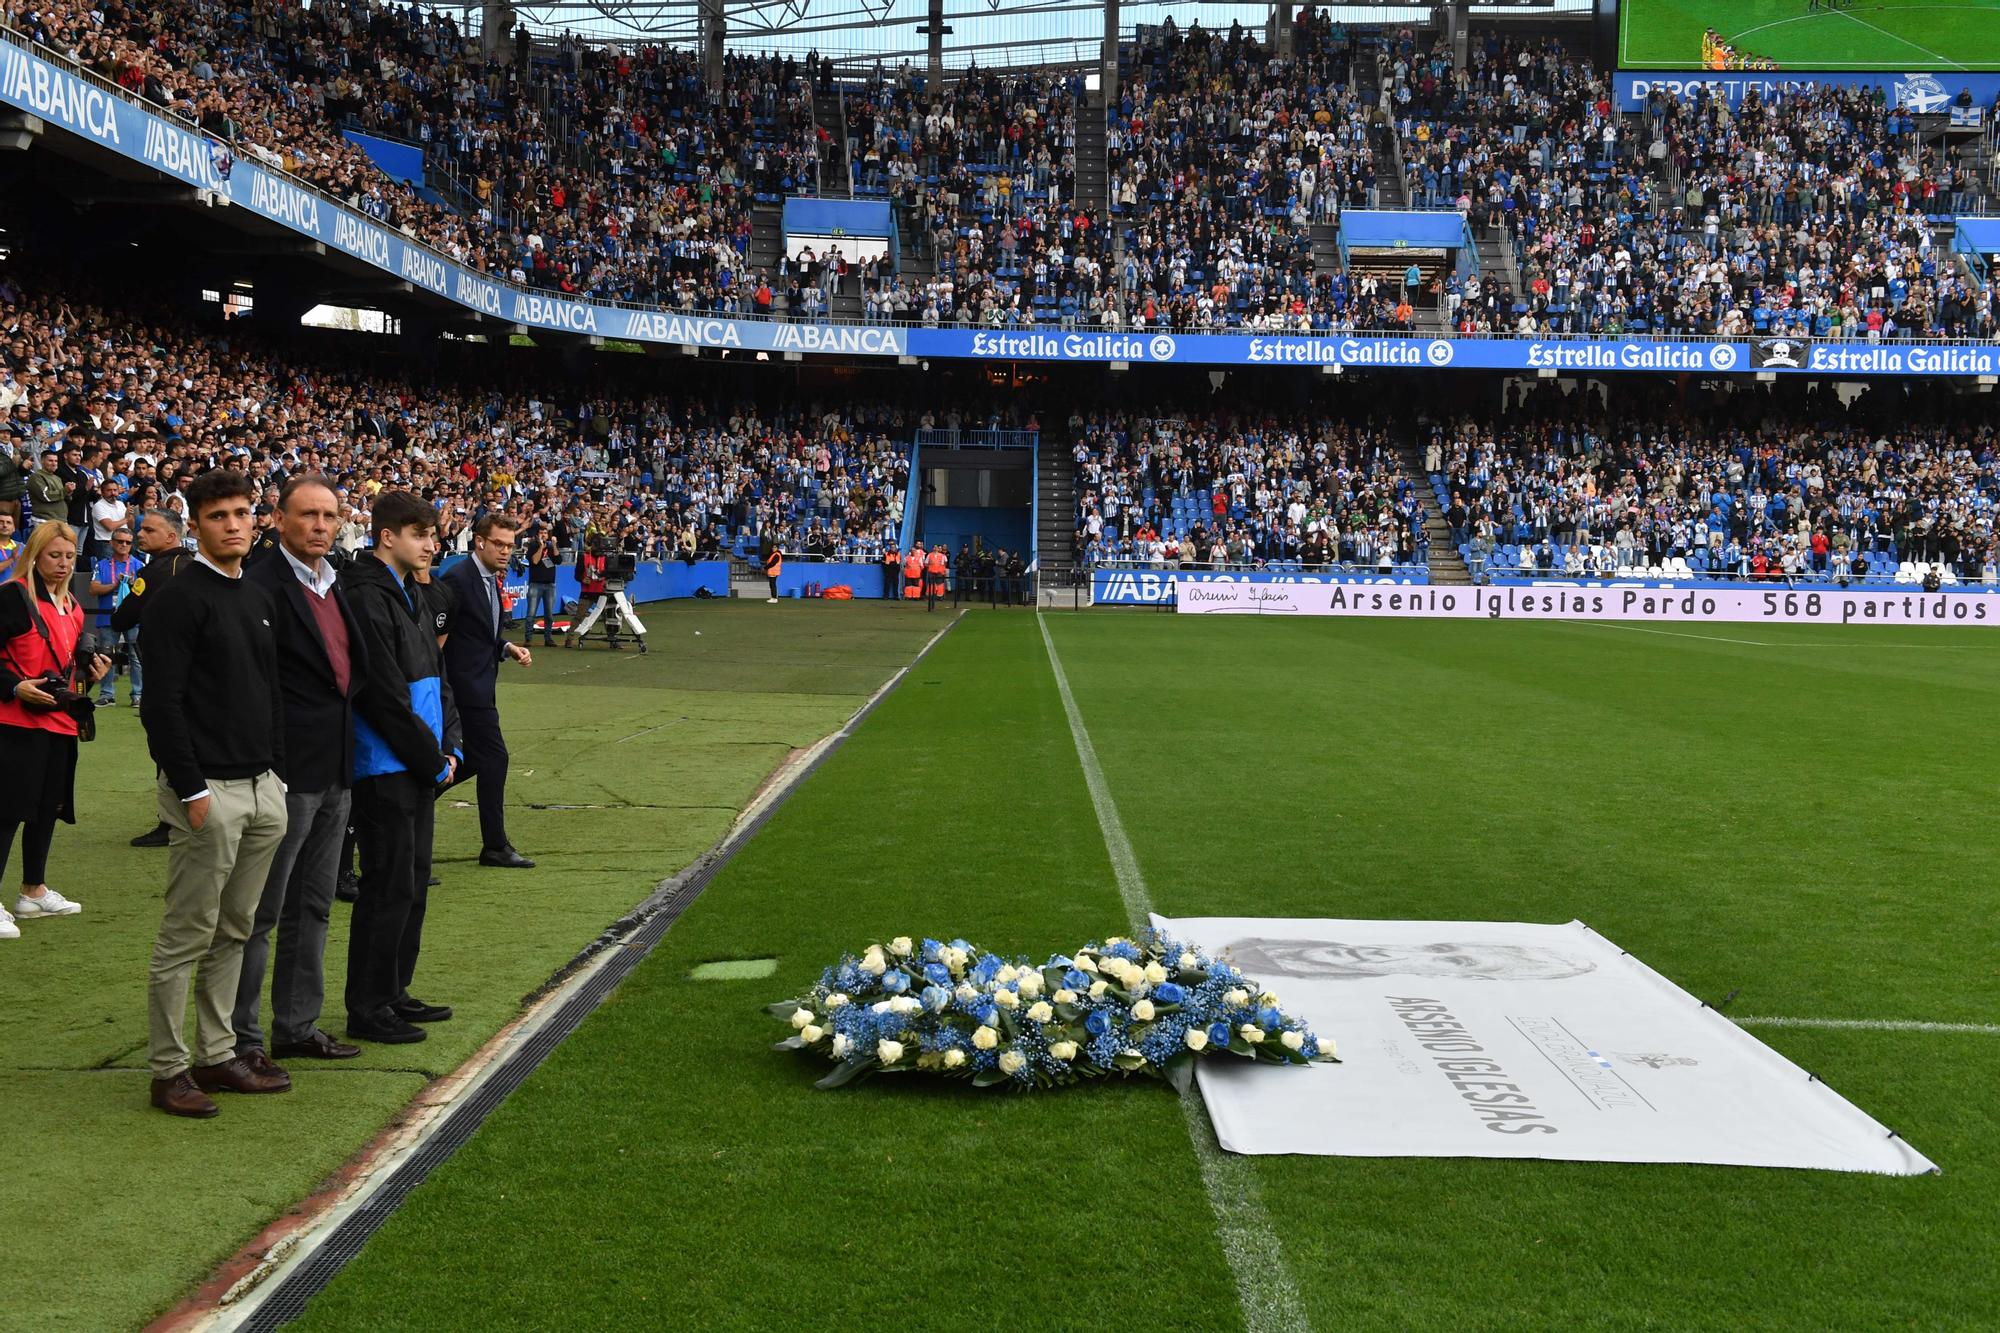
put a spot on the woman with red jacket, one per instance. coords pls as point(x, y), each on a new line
point(39, 626)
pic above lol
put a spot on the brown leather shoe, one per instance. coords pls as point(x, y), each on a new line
point(319, 1046)
point(236, 1075)
point(260, 1063)
point(179, 1096)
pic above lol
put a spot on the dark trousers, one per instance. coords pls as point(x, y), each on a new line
point(36, 836)
point(393, 818)
point(486, 757)
point(297, 900)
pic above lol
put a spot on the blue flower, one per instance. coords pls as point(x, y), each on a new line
point(988, 1015)
point(895, 981)
point(1270, 1019)
point(936, 998)
point(931, 950)
point(986, 968)
point(1098, 1023)
point(938, 973)
point(1076, 980)
point(1218, 1034)
point(1124, 949)
point(961, 945)
point(1168, 993)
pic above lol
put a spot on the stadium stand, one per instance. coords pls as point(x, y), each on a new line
point(145, 398)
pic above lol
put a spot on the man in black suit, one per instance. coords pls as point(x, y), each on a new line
point(472, 657)
point(321, 664)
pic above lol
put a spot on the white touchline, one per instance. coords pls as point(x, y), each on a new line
point(1894, 37)
point(1869, 1025)
point(1264, 1287)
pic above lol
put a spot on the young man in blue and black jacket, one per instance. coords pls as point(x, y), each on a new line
point(406, 749)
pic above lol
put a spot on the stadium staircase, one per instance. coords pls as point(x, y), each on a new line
point(1448, 567)
point(1055, 511)
point(1093, 176)
point(836, 172)
point(1326, 247)
point(767, 246)
point(913, 260)
point(1496, 259)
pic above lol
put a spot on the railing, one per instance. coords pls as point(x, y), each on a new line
point(945, 438)
point(409, 237)
point(1392, 569)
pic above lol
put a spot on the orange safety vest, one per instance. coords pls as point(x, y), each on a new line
point(913, 566)
point(775, 565)
point(936, 564)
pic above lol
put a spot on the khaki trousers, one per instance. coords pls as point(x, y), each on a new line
point(215, 876)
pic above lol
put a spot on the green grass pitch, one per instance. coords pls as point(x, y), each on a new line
point(1901, 36)
point(1799, 814)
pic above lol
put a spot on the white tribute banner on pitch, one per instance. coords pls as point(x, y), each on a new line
point(1502, 1039)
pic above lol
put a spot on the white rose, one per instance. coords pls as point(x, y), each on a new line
point(904, 1004)
point(1031, 985)
point(1251, 1033)
point(1085, 963)
point(801, 1017)
point(1011, 1062)
point(1007, 974)
point(881, 1006)
point(1115, 939)
point(1236, 999)
point(1155, 973)
point(834, 1001)
point(1063, 1050)
point(1097, 989)
point(1268, 1000)
point(1143, 1011)
point(966, 992)
point(901, 946)
point(1006, 999)
point(954, 1058)
point(952, 958)
point(1065, 996)
point(1189, 962)
point(1041, 1011)
point(1291, 1040)
point(1328, 1048)
point(986, 1039)
point(873, 961)
point(889, 1051)
point(811, 1033)
point(841, 1045)
point(1196, 1039)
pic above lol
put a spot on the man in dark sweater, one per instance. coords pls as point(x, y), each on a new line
point(406, 748)
point(215, 726)
point(321, 662)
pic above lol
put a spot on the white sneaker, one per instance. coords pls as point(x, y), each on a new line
point(50, 903)
point(772, 600)
point(8, 930)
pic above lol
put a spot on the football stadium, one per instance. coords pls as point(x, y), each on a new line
point(605, 725)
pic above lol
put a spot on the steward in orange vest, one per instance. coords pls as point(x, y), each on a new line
point(935, 565)
point(913, 574)
point(892, 564)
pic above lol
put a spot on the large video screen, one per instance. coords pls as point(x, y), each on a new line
point(1937, 36)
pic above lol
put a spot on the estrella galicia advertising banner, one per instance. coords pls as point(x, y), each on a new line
point(82, 107)
point(1774, 606)
point(1920, 93)
point(1155, 587)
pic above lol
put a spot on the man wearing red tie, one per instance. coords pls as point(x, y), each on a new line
point(472, 657)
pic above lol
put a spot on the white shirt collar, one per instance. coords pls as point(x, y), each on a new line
point(318, 581)
point(201, 558)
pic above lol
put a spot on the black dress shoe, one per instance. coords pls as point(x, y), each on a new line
point(157, 838)
point(412, 1010)
point(384, 1025)
point(319, 1046)
point(349, 887)
point(505, 858)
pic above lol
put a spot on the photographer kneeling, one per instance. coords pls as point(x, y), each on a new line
point(41, 632)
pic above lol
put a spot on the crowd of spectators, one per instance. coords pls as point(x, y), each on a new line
point(1806, 212)
point(129, 405)
point(613, 174)
point(1561, 485)
point(1219, 489)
